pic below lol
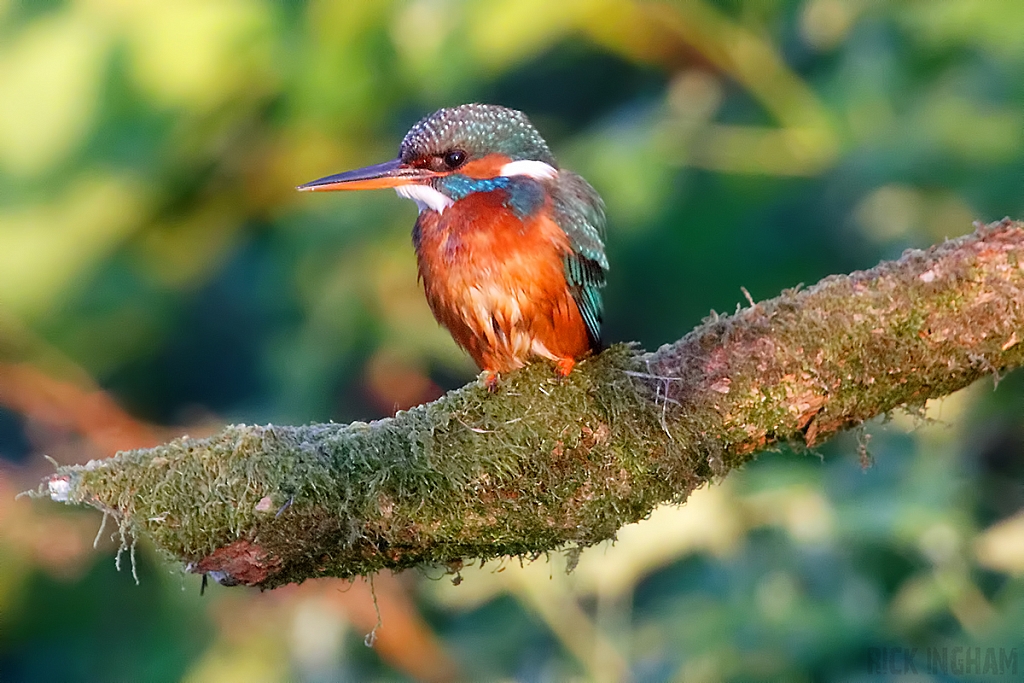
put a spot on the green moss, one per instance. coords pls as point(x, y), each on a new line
point(543, 463)
point(547, 463)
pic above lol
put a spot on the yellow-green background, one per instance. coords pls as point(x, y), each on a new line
point(152, 248)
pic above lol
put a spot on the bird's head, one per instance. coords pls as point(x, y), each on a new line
point(475, 141)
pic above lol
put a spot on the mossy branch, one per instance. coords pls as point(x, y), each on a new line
point(545, 464)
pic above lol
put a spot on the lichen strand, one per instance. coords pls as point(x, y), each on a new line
point(543, 463)
point(808, 363)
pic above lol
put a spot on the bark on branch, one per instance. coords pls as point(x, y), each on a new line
point(547, 464)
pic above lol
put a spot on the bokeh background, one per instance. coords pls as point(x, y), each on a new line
point(159, 275)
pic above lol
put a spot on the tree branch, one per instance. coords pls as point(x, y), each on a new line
point(546, 464)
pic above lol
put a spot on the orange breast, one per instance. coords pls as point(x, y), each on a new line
point(498, 283)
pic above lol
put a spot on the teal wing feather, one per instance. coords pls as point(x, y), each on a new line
point(579, 211)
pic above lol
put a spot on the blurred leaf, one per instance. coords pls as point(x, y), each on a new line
point(50, 79)
point(991, 24)
point(45, 248)
point(1001, 546)
point(195, 54)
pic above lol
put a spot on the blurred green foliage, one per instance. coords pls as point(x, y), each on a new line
point(151, 241)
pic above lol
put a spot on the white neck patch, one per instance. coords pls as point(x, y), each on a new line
point(529, 167)
point(429, 199)
point(426, 197)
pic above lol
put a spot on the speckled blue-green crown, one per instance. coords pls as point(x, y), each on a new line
point(477, 129)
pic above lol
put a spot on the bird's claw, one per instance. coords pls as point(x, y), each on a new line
point(564, 366)
point(489, 379)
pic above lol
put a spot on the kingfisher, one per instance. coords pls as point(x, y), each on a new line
point(509, 246)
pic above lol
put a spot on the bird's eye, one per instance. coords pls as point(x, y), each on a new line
point(454, 158)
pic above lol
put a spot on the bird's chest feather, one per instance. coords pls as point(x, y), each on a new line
point(489, 272)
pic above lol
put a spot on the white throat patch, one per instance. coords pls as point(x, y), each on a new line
point(426, 197)
point(529, 167)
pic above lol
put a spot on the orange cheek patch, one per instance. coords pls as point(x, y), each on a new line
point(485, 167)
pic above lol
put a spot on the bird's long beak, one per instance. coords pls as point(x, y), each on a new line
point(389, 174)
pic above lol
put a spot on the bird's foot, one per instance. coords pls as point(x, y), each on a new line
point(489, 378)
point(564, 366)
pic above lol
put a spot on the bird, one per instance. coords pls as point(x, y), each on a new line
point(509, 246)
